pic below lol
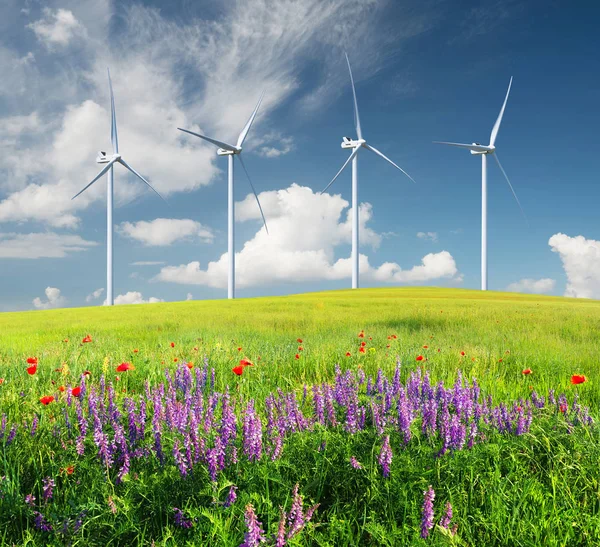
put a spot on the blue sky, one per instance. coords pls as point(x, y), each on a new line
point(424, 71)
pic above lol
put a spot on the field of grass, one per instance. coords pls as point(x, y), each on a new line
point(538, 485)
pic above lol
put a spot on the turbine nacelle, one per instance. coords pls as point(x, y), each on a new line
point(224, 152)
point(482, 149)
point(347, 142)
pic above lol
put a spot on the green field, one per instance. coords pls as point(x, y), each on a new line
point(537, 488)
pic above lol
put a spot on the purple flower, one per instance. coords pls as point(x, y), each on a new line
point(30, 500)
point(255, 534)
point(41, 523)
point(34, 424)
point(447, 516)
point(47, 487)
point(252, 428)
point(181, 520)
point(231, 497)
point(355, 463)
point(427, 513)
point(385, 457)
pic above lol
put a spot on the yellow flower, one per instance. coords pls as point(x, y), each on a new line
point(105, 365)
point(372, 350)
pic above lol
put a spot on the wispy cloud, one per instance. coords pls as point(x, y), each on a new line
point(428, 236)
point(41, 245)
point(166, 231)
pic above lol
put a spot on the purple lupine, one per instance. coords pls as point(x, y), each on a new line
point(34, 424)
point(472, 434)
point(255, 534)
point(30, 500)
point(12, 434)
point(404, 416)
point(447, 516)
point(296, 516)
point(212, 462)
point(280, 540)
point(231, 496)
point(277, 447)
point(180, 459)
point(329, 408)
point(80, 444)
point(427, 512)
point(385, 457)
point(40, 522)
point(355, 463)
point(47, 488)
point(79, 521)
point(457, 433)
point(252, 428)
point(180, 519)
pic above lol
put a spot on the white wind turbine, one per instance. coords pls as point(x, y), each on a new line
point(483, 151)
point(356, 145)
point(108, 168)
point(231, 151)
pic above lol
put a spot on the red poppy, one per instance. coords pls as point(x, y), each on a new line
point(578, 379)
point(387, 346)
point(135, 350)
point(175, 360)
point(172, 344)
point(527, 371)
point(32, 360)
point(462, 353)
point(123, 367)
point(66, 340)
point(363, 344)
point(58, 370)
point(299, 340)
point(240, 348)
point(32, 370)
point(195, 349)
point(300, 348)
point(361, 349)
point(563, 408)
point(247, 363)
point(87, 373)
point(472, 358)
point(394, 336)
point(297, 356)
point(348, 354)
point(76, 391)
point(370, 338)
point(425, 347)
point(499, 360)
point(190, 365)
point(70, 469)
point(439, 350)
point(61, 388)
point(1, 381)
point(419, 357)
point(87, 339)
point(117, 378)
point(238, 370)
point(361, 334)
point(46, 399)
point(389, 337)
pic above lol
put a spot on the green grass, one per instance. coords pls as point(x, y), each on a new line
point(541, 488)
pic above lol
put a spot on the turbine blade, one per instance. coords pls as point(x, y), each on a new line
point(373, 149)
point(113, 118)
point(350, 157)
point(214, 141)
point(244, 132)
point(511, 188)
point(254, 191)
point(474, 147)
point(127, 166)
point(104, 170)
point(356, 117)
point(496, 127)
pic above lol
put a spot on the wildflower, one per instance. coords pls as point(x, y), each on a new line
point(361, 349)
point(61, 388)
point(578, 379)
point(87, 373)
point(70, 469)
point(385, 457)
point(135, 350)
point(32, 360)
point(46, 399)
point(246, 363)
point(1, 381)
point(527, 372)
point(175, 360)
point(238, 370)
point(363, 344)
point(419, 357)
point(240, 348)
point(87, 339)
point(447, 516)
point(300, 348)
point(297, 356)
point(361, 334)
point(355, 463)
point(462, 353)
point(348, 354)
point(30, 500)
point(41, 523)
point(32, 370)
point(427, 513)
point(181, 520)
point(563, 408)
point(66, 340)
point(394, 336)
point(172, 344)
point(124, 367)
point(231, 497)
point(255, 534)
point(299, 340)
point(425, 347)
point(372, 350)
point(190, 365)
point(499, 360)
point(47, 488)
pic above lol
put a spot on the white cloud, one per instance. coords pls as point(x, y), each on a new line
point(274, 145)
point(305, 229)
point(148, 263)
point(535, 286)
point(95, 295)
point(57, 28)
point(428, 236)
point(41, 245)
point(134, 297)
point(165, 231)
point(581, 261)
point(54, 299)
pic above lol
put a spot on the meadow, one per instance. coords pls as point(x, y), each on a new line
point(317, 419)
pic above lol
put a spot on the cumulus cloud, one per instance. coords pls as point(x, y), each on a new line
point(305, 230)
point(57, 28)
point(535, 286)
point(41, 245)
point(134, 297)
point(274, 145)
point(165, 231)
point(95, 295)
point(53, 299)
point(581, 261)
point(428, 236)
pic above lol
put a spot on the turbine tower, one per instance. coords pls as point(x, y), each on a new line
point(356, 146)
point(108, 168)
point(483, 151)
point(231, 151)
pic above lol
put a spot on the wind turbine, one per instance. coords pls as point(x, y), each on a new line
point(356, 145)
point(108, 168)
point(483, 151)
point(231, 151)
